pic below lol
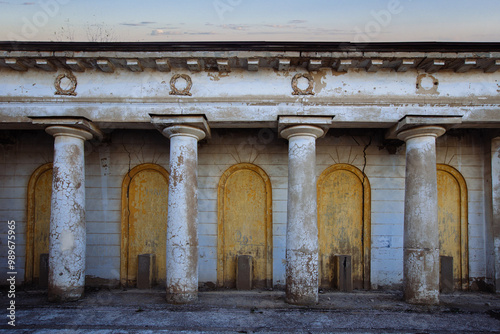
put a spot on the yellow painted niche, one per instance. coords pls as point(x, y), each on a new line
point(144, 220)
point(344, 224)
point(38, 225)
point(244, 224)
point(453, 221)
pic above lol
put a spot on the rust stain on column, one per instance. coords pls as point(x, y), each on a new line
point(182, 232)
point(67, 221)
point(495, 195)
point(302, 228)
point(421, 229)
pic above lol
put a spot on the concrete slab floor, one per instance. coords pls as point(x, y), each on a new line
point(107, 311)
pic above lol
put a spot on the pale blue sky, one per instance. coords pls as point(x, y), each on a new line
point(251, 20)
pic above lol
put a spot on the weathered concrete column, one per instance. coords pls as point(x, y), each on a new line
point(495, 186)
point(302, 227)
point(421, 229)
point(67, 242)
point(182, 224)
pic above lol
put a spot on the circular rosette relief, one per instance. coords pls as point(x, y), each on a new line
point(181, 84)
point(427, 84)
point(65, 84)
point(302, 84)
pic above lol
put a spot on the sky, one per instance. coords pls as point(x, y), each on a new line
point(251, 20)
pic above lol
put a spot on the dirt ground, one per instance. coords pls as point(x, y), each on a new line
point(226, 311)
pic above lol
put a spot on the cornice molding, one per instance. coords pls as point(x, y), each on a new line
point(428, 57)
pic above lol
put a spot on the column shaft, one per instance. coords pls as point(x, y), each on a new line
point(302, 227)
point(421, 229)
point(182, 225)
point(67, 221)
point(495, 185)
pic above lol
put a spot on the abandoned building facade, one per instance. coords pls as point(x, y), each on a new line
point(304, 166)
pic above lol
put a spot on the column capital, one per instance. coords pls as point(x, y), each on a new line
point(321, 122)
point(495, 143)
point(70, 126)
point(421, 131)
point(181, 125)
point(302, 130)
point(416, 121)
point(60, 130)
point(184, 130)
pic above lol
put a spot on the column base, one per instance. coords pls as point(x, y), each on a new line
point(427, 299)
point(305, 296)
point(421, 282)
point(302, 275)
point(182, 298)
point(62, 295)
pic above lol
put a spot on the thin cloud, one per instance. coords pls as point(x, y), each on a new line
point(235, 27)
point(140, 24)
point(330, 31)
point(268, 32)
point(202, 33)
point(157, 32)
point(166, 28)
point(318, 33)
point(281, 26)
point(161, 32)
point(28, 3)
point(296, 21)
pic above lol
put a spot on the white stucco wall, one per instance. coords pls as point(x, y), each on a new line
point(20, 155)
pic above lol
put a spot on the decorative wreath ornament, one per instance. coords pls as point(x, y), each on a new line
point(72, 84)
point(175, 90)
point(297, 90)
point(427, 83)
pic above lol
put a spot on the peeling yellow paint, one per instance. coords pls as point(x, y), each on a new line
point(216, 76)
point(319, 81)
point(144, 220)
point(344, 223)
point(245, 224)
point(452, 217)
point(38, 225)
point(285, 73)
point(337, 73)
